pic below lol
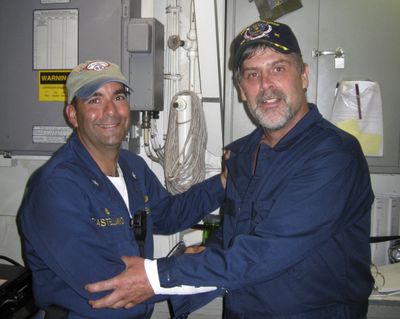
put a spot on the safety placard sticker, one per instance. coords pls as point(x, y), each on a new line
point(50, 134)
point(52, 85)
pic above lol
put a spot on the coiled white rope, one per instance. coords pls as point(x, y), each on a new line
point(186, 167)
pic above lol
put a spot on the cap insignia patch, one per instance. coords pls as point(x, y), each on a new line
point(257, 30)
point(97, 66)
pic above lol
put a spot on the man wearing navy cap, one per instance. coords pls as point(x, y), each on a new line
point(295, 236)
point(93, 203)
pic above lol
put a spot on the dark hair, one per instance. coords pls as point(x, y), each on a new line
point(259, 47)
point(75, 99)
point(74, 102)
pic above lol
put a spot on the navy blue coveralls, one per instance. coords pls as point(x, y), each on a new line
point(76, 225)
point(295, 237)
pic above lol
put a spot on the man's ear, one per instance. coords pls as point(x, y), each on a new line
point(70, 113)
point(242, 94)
point(304, 77)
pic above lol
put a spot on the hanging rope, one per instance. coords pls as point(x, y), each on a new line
point(186, 167)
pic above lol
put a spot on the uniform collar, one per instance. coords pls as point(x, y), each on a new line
point(84, 156)
point(82, 153)
point(251, 141)
point(136, 196)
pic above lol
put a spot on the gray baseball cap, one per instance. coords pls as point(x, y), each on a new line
point(86, 78)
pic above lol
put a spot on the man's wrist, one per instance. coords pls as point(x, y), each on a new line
point(150, 266)
point(151, 269)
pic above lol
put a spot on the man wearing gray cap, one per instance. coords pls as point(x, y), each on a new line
point(93, 203)
point(295, 236)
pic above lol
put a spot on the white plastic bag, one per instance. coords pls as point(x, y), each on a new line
point(357, 109)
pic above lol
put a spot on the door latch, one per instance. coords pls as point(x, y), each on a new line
point(338, 54)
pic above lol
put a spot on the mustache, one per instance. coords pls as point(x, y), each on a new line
point(270, 94)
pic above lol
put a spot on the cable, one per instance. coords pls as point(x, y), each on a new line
point(185, 167)
point(11, 261)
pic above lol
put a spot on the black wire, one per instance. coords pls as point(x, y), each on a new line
point(379, 239)
point(181, 242)
point(11, 261)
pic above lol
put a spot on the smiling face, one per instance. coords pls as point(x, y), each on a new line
point(101, 121)
point(273, 85)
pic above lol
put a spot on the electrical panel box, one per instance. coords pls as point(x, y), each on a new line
point(43, 40)
point(146, 47)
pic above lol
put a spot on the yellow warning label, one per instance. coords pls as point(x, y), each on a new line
point(52, 85)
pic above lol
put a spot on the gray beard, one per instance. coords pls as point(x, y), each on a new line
point(262, 118)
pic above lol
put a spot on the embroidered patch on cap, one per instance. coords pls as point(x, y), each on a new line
point(97, 65)
point(257, 30)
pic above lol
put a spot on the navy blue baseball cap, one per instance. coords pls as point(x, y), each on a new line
point(277, 35)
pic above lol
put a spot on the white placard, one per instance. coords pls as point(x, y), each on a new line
point(55, 43)
point(54, 1)
point(50, 134)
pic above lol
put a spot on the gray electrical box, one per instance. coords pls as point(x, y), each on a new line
point(146, 47)
point(43, 40)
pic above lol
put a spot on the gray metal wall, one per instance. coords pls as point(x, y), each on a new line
point(99, 37)
point(365, 29)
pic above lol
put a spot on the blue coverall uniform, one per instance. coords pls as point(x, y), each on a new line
point(76, 225)
point(296, 229)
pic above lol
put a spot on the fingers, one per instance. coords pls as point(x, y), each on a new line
point(104, 285)
point(227, 154)
point(224, 173)
point(103, 302)
point(128, 288)
point(123, 303)
point(128, 259)
point(129, 305)
point(117, 300)
point(194, 249)
point(110, 301)
point(113, 283)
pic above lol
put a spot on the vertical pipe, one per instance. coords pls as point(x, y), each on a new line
point(192, 50)
point(183, 106)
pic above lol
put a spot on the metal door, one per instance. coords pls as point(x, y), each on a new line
point(366, 30)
